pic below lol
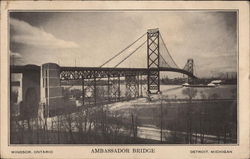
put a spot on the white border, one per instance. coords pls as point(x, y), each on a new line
point(241, 151)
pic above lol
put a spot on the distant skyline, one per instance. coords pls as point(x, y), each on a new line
point(90, 38)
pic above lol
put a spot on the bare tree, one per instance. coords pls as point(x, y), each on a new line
point(68, 120)
point(80, 120)
point(203, 95)
point(191, 93)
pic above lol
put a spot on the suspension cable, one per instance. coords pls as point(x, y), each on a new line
point(130, 54)
point(123, 50)
point(194, 73)
point(185, 67)
point(164, 60)
point(168, 51)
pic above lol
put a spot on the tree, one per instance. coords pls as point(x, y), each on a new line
point(80, 119)
point(202, 117)
point(214, 96)
point(203, 95)
point(191, 93)
point(68, 120)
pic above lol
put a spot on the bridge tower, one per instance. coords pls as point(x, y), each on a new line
point(190, 68)
point(153, 61)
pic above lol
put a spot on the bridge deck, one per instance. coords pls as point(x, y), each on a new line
point(76, 73)
point(104, 72)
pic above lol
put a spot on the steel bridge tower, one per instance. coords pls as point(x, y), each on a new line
point(190, 68)
point(153, 61)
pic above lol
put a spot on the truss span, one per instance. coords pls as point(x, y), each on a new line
point(77, 73)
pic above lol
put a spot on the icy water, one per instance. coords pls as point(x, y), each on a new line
point(223, 91)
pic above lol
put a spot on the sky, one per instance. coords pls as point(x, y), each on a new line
point(88, 39)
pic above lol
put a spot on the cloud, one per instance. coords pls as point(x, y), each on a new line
point(24, 33)
point(15, 54)
point(16, 58)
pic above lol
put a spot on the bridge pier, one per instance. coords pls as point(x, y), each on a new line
point(132, 88)
point(90, 91)
point(83, 92)
point(115, 91)
point(109, 88)
point(141, 83)
point(51, 89)
point(119, 88)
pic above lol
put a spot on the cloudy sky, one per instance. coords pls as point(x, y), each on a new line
point(91, 38)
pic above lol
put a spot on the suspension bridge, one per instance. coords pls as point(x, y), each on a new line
point(53, 76)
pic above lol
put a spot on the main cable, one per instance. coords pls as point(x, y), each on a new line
point(123, 50)
point(130, 54)
point(168, 51)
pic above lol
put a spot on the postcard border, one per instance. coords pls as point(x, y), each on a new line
point(122, 10)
